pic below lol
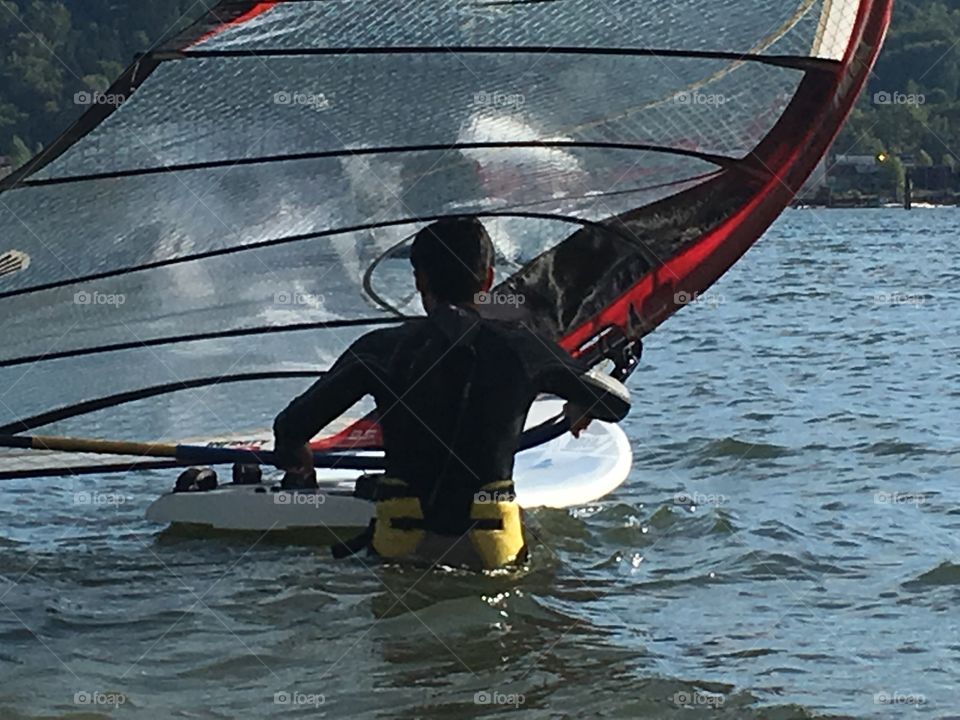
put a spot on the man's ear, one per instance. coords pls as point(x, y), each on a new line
point(421, 282)
point(488, 283)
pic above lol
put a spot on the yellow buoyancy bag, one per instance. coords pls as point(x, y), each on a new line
point(399, 528)
point(495, 523)
point(497, 534)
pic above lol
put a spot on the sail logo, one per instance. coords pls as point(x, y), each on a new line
point(13, 261)
point(365, 436)
point(699, 98)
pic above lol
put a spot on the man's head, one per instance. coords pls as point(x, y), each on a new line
point(452, 261)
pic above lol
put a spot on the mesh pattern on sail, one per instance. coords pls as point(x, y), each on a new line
point(89, 227)
point(771, 26)
point(279, 106)
point(259, 108)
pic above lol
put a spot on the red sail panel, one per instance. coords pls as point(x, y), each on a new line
point(787, 155)
point(244, 15)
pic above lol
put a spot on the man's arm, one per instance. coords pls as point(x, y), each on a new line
point(590, 393)
point(350, 378)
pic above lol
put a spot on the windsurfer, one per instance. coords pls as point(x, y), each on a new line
point(452, 392)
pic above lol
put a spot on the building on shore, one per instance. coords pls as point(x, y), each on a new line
point(865, 174)
point(814, 185)
point(873, 180)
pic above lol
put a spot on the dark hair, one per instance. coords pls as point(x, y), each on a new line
point(454, 256)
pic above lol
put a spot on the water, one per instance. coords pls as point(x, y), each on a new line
point(785, 548)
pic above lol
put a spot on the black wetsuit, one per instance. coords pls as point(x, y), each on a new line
point(452, 393)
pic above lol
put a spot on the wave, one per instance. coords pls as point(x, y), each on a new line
point(741, 449)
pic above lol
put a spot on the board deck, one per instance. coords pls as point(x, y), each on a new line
point(564, 472)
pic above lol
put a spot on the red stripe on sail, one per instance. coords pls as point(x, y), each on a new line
point(250, 14)
point(654, 296)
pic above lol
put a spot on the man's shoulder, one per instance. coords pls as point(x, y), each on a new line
point(516, 331)
point(512, 334)
point(532, 347)
point(388, 336)
point(536, 347)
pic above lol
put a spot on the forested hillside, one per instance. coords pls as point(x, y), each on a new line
point(52, 49)
point(911, 103)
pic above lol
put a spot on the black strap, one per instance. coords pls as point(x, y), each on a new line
point(354, 545)
point(367, 487)
point(409, 523)
point(364, 540)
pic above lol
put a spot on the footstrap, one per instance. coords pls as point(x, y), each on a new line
point(351, 547)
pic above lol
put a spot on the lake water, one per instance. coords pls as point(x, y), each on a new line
point(786, 546)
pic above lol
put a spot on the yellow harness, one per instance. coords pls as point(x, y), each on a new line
point(495, 525)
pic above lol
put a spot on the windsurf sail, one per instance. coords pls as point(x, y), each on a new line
point(235, 209)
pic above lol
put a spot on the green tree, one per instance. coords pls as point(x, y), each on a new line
point(19, 152)
point(50, 50)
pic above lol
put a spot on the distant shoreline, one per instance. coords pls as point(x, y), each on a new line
point(875, 202)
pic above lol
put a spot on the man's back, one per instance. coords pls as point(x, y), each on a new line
point(452, 399)
point(452, 394)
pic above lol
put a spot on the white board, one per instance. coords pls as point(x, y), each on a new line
point(564, 472)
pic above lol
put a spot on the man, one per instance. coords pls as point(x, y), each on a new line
point(452, 392)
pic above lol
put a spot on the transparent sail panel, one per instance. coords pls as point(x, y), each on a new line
point(780, 26)
point(229, 109)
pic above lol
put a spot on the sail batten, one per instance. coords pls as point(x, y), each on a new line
point(260, 174)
